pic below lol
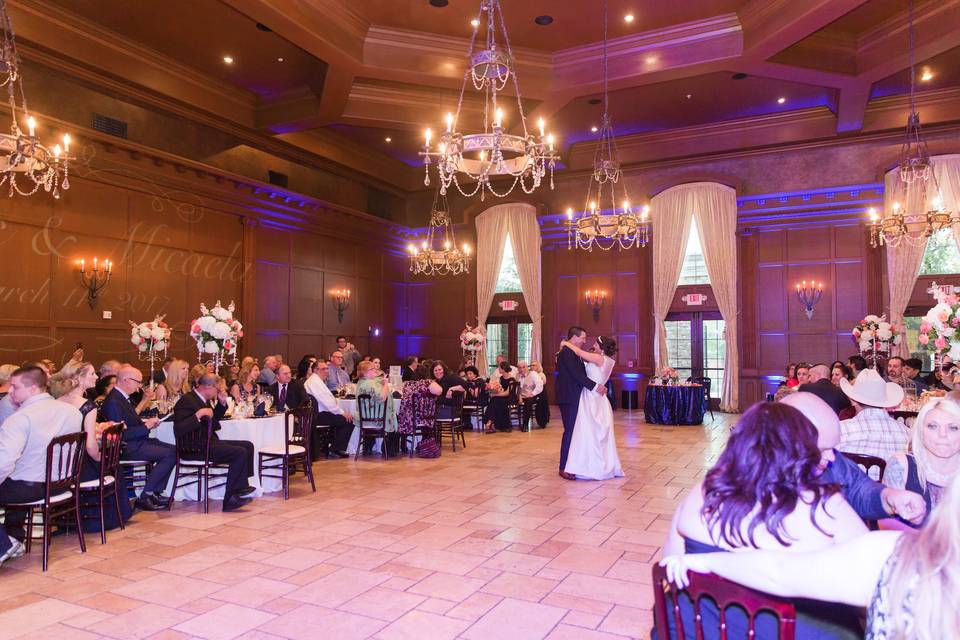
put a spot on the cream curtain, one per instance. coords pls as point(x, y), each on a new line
point(947, 171)
point(670, 216)
point(519, 221)
point(716, 215)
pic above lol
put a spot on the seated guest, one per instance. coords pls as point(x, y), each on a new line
point(23, 449)
point(531, 386)
point(6, 370)
point(542, 407)
point(109, 368)
point(857, 364)
point(138, 445)
point(287, 393)
point(409, 370)
point(188, 418)
point(500, 391)
point(790, 379)
point(821, 386)
point(161, 374)
point(70, 385)
point(895, 373)
point(502, 359)
point(474, 386)
point(943, 378)
point(328, 413)
point(372, 382)
point(268, 374)
point(908, 580)
point(418, 401)
point(872, 432)
point(197, 371)
point(935, 452)
point(230, 373)
point(305, 366)
point(245, 387)
point(765, 493)
point(449, 383)
point(803, 377)
point(176, 381)
point(337, 377)
point(839, 372)
point(870, 499)
point(911, 371)
point(100, 393)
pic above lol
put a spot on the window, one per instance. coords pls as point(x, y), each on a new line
point(694, 268)
point(508, 281)
point(678, 347)
point(498, 342)
point(941, 255)
point(524, 340)
point(714, 352)
point(697, 346)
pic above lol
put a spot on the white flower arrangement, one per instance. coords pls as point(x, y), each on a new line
point(471, 339)
point(216, 330)
point(150, 336)
point(874, 334)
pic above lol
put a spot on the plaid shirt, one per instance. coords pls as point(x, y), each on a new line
point(872, 432)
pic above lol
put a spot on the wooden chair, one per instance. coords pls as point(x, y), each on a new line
point(372, 422)
point(725, 595)
point(473, 408)
point(294, 455)
point(707, 384)
point(193, 461)
point(135, 472)
point(422, 427)
point(847, 413)
point(105, 485)
point(869, 462)
point(453, 422)
point(515, 405)
point(61, 498)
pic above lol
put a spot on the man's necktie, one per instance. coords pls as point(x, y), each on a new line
point(283, 396)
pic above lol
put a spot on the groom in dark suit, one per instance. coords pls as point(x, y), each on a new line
point(571, 379)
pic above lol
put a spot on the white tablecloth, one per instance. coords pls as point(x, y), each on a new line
point(262, 432)
point(350, 406)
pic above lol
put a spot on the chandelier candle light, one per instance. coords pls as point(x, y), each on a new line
point(445, 257)
point(609, 220)
point(809, 296)
point(22, 154)
point(96, 279)
point(916, 172)
point(525, 157)
point(595, 299)
point(341, 300)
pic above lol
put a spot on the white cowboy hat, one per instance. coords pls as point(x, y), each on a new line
point(871, 390)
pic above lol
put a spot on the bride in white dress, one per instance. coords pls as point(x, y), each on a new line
point(593, 447)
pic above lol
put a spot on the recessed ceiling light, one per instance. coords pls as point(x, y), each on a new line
point(593, 129)
point(543, 20)
point(781, 100)
point(474, 23)
point(228, 59)
point(739, 76)
point(628, 18)
point(439, 3)
point(388, 139)
point(279, 59)
point(926, 76)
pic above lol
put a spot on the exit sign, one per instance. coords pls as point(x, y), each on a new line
point(509, 305)
point(694, 299)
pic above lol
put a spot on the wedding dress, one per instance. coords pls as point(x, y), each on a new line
point(593, 448)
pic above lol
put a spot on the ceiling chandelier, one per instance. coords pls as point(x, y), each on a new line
point(492, 152)
point(621, 227)
point(447, 258)
point(903, 223)
point(25, 164)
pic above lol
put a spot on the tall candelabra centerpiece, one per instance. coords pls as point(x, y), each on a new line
point(151, 340)
point(876, 337)
point(217, 333)
point(471, 341)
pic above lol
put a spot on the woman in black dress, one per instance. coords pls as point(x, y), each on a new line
point(70, 385)
point(450, 384)
point(497, 417)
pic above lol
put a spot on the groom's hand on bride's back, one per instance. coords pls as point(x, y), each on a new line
point(602, 390)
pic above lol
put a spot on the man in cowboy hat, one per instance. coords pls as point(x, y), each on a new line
point(872, 432)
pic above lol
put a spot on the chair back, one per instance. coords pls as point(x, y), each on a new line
point(195, 445)
point(455, 402)
point(111, 444)
point(64, 457)
point(725, 594)
point(371, 412)
point(299, 423)
point(868, 462)
point(707, 384)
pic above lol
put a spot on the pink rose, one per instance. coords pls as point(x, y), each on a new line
point(941, 343)
point(924, 327)
point(943, 316)
point(952, 299)
point(227, 344)
point(956, 321)
point(856, 333)
point(923, 339)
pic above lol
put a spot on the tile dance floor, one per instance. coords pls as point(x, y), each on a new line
point(485, 543)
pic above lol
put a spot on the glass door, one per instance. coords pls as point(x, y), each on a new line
point(697, 346)
point(512, 338)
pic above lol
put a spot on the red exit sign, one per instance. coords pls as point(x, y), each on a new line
point(694, 299)
point(509, 305)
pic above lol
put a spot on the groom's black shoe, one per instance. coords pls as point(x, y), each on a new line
point(567, 476)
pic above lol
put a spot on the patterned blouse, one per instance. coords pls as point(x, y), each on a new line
point(416, 393)
point(880, 617)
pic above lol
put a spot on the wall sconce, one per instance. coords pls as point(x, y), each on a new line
point(374, 331)
point(96, 279)
point(595, 300)
point(341, 300)
point(809, 296)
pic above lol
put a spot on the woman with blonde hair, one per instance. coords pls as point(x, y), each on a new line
point(909, 580)
point(70, 385)
point(177, 381)
point(245, 386)
point(934, 457)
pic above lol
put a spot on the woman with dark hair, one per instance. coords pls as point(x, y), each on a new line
point(593, 447)
point(840, 371)
point(305, 365)
point(449, 384)
point(499, 390)
point(791, 378)
point(765, 492)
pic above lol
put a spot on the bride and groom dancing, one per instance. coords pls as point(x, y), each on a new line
point(588, 450)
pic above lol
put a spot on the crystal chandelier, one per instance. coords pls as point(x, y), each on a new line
point(25, 164)
point(492, 152)
point(448, 260)
point(621, 227)
point(916, 174)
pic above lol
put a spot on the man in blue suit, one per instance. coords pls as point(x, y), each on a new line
point(137, 443)
point(571, 379)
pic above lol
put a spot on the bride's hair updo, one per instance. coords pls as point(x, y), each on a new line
point(607, 345)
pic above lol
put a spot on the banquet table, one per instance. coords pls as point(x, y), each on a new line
point(350, 405)
point(262, 432)
point(674, 405)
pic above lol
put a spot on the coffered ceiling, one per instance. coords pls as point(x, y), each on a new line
point(359, 71)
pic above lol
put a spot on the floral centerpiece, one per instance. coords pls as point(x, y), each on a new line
point(875, 337)
point(150, 336)
point(471, 340)
point(938, 329)
point(217, 333)
point(669, 376)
